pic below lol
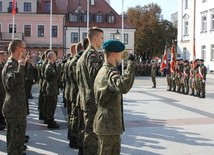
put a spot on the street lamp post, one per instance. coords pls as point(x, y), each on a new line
point(117, 35)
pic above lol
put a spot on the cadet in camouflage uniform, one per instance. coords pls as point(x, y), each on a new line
point(197, 79)
point(192, 79)
point(108, 87)
point(153, 73)
point(51, 76)
point(14, 107)
point(87, 68)
point(73, 98)
point(202, 75)
point(67, 72)
point(40, 78)
point(44, 85)
point(186, 75)
point(3, 59)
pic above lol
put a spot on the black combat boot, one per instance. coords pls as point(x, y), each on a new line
point(73, 142)
point(53, 125)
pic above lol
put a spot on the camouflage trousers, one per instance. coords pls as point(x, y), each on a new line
point(51, 102)
point(109, 144)
point(90, 141)
point(16, 127)
point(153, 80)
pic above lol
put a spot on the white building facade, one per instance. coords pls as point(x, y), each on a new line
point(202, 11)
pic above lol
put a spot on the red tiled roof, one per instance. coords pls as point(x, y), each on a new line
point(100, 6)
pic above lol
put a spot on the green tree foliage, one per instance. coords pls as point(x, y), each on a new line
point(152, 32)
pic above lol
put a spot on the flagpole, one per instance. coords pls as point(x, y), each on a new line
point(13, 26)
point(13, 13)
point(87, 15)
point(51, 24)
point(122, 39)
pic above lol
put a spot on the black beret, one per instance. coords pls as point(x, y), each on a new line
point(201, 60)
point(113, 46)
point(186, 61)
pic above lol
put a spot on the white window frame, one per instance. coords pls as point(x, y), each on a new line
point(38, 30)
point(30, 30)
point(57, 31)
point(203, 52)
point(212, 52)
point(203, 23)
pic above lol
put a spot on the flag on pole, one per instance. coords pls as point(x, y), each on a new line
point(164, 60)
point(173, 59)
point(14, 7)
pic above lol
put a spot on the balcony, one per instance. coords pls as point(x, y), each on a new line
point(6, 36)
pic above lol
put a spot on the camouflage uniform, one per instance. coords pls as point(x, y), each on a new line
point(186, 75)
point(108, 123)
point(44, 93)
point(73, 124)
point(197, 80)
point(2, 96)
point(41, 96)
point(51, 76)
point(203, 72)
point(153, 74)
point(86, 70)
point(14, 108)
point(192, 81)
point(67, 93)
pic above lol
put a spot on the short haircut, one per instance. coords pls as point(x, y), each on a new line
point(14, 44)
point(85, 43)
point(93, 32)
point(47, 51)
point(50, 54)
point(79, 47)
point(3, 52)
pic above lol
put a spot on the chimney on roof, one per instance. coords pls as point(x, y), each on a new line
point(92, 2)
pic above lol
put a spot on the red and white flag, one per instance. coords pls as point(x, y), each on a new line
point(14, 7)
point(164, 60)
point(173, 59)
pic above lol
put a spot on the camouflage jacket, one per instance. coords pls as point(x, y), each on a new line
point(13, 77)
point(51, 76)
point(87, 68)
point(108, 87)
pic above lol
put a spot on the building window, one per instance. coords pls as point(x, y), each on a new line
point(110, 19)
point(212, 53)
point(126, 38)
point(0, 6)
point(74, 37)
point(27, 30)
point(54, 31)
point(47, 7)
point(186, 4)
point(204, 23)
point(204, 1)
point(11, 28)
point(203, 52)
point(27, 7)
point(0, 28)
point(98, 18)
point(186, 28)
point(41, 29)
point(72, 17)
point(212, 21)
point(84, 35)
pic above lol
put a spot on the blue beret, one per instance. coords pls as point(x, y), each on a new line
point(113, 46)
